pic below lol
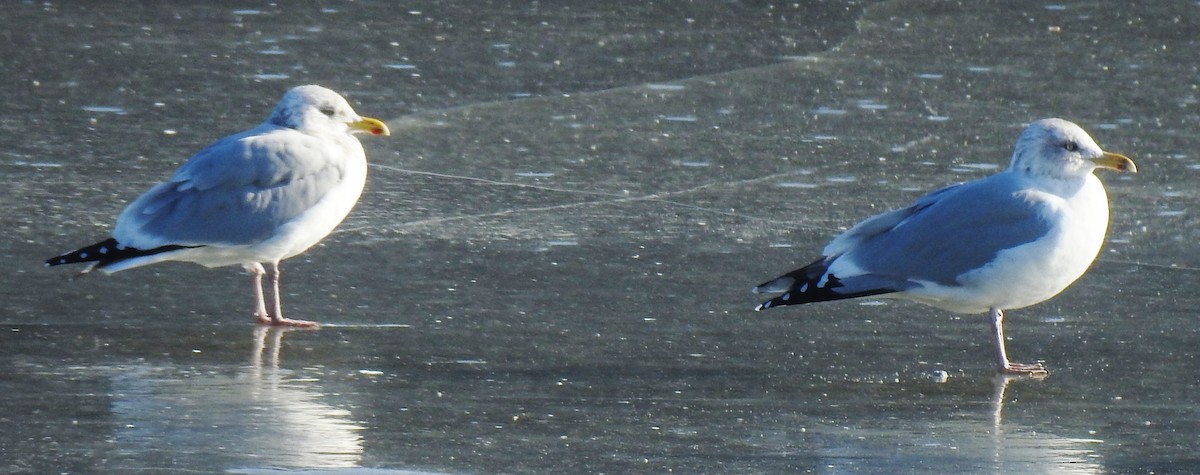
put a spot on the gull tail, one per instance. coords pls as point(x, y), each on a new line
point(106, 253)
point(813, 283)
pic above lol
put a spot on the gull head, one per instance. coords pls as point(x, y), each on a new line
point(1060, 149)
point(316, 110)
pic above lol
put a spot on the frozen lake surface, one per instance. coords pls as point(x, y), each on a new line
point(549, 271)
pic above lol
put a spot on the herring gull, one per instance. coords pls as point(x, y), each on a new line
point(1006, 241)
point(252, 199)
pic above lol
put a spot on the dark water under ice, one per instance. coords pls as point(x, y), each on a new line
point(550, 269)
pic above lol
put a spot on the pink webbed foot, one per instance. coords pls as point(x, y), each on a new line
point(1024, 369)
point(264, 319)
point(261, 316)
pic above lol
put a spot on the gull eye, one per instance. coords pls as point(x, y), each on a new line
point(1071, 146)
point(328, 111)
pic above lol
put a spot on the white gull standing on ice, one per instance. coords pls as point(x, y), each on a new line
point(1006, 241)
point(252, 199)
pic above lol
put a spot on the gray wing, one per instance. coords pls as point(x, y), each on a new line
point(237, 191)
point(881, 223)
point(946, 233)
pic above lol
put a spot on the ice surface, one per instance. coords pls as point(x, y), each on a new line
point(553, 284)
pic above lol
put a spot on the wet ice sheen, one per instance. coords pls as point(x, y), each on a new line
point(680, 118)
point(105, 109)
point(558, 351)
point(666, 87)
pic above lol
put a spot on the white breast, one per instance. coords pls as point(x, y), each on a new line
point(309, 227)
point(1036, 271)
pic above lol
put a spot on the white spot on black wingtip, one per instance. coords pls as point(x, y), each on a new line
point(83, 255)
point(762, 306)
point(103, 250)
point(787, 296)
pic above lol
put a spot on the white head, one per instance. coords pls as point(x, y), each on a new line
point(1060, 149)
point(316, 110)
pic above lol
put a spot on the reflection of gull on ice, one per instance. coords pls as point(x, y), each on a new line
point(332, 471)
point(963, 447)
point(263, 416)
point(966, 443)
point(1025, 451)
point(940, 437)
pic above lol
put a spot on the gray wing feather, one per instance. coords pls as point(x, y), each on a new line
point(237, 191)
point(881, 223)
point(946, 233)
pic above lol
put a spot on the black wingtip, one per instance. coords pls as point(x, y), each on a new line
point(814, 290)
point(106, 252)
point(780, 301)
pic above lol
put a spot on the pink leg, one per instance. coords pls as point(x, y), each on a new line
point(277, 317)
point(260, 304)
point(1002, 363)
